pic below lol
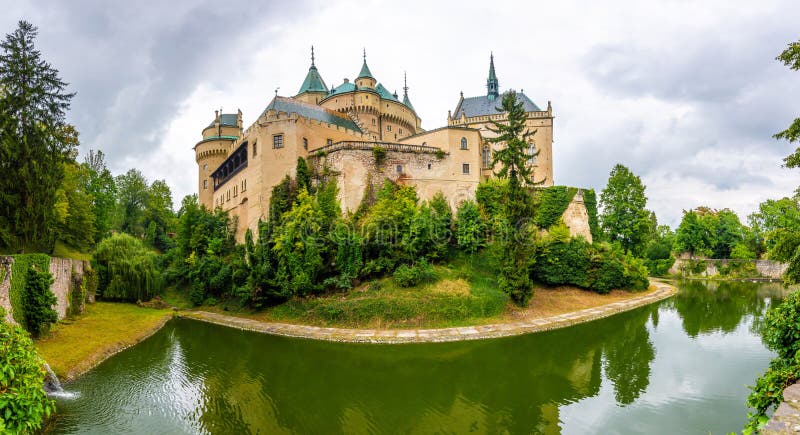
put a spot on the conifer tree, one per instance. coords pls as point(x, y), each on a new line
point(35, 141)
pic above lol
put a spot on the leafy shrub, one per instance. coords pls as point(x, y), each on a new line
point(126, 269)
point(490, 196)
point(590, 201)
point(781, 333)
point(379, 154)
point(90, 280)
point(659, 267)
point(562, 262)
point(409, 276)
point(23, 402)
point(77, 294)
point(39, 301)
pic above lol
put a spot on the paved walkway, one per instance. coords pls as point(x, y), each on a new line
point(663, 291)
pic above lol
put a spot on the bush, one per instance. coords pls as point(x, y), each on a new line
point(379, 154)
point(659, 267)
point(469, 227)
point(126, 269)
point(23, 402)
point(39, 301)
point(409, 276)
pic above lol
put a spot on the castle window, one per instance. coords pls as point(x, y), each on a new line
point(277, 141)
point(305, 143)
point(388, 128)
point(329, 141)
point(374, 121)
point(465, 168)
point(532, 153)
point(487, 156)
point(235, 191)
point(229, 195)
point(429, 166)
point(205, 167)
point(463, 143)
point(255, 149)
point(205, 184)
point(399, 131)
point(244, 185)
point(399, 169)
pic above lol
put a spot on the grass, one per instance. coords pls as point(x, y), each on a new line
point(75, 346)
point(63, 251)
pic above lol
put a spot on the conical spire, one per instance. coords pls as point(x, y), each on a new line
point(313, 81)
point(406, 101)
point(365, 72)
point(492, 84)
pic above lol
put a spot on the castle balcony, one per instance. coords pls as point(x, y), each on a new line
point(231, 166)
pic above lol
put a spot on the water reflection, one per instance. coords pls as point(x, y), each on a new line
point(195, 377)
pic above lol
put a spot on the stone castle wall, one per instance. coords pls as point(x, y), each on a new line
point(765, 268)
point(60, 268)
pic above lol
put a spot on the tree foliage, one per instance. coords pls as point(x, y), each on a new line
point(791, 58)
point(126, 269)
point(35, 142)
point(624, 218)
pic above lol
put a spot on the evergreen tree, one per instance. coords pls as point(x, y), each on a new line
point(39, 301)
point(35, 142)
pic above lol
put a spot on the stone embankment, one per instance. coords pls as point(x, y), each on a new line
point(786, 419)
point(711, 267)
point(389, 336)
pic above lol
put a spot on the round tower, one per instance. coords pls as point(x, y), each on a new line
point(313, 90)
point(365, 79)
point(218, 138)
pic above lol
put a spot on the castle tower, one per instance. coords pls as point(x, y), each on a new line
point(313, 89)
point(406, 101)
point(492, 84)
point(365, 79)
point(218, 138)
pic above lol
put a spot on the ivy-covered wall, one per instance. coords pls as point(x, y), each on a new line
point(18, 270)
point(550, 204)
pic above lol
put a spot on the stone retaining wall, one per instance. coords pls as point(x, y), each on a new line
point(60, 268)
point(765, 268)
point(786, 419)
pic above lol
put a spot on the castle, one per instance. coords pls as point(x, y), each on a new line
point(364, 134)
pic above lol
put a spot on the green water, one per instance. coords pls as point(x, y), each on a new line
point(679, 366)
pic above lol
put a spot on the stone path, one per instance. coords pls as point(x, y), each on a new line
point(663, 291)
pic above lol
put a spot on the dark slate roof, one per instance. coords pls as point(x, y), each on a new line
point(311, 111)
point(229, 119)
point(480, 106)
point(313, 82)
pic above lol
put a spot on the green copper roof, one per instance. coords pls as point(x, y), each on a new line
point(407, 102)
point(227, 119)
point(343, 88)
point(313, 82)
point(311, 111)
point(492, 84)
point(384, 93)
point(365, 72)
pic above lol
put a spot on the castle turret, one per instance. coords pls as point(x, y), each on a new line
point(218, 138)
point(492, 84)
point(365, 79)
point(313, 89)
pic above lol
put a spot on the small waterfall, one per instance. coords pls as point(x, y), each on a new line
point(51, 382)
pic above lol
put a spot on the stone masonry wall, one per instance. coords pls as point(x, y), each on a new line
point(576, 218)
point(766, 268)
point(60, 268)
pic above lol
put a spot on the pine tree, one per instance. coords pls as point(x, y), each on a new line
point(35, 141)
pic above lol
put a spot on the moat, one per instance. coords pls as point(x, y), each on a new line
point(677, 366)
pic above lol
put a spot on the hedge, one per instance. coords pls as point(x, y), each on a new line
point(18, 271)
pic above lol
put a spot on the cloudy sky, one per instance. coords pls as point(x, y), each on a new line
point(687, 94)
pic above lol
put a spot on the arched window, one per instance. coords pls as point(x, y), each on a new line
point(486, 156)
point(463, 143)
point(532, 153)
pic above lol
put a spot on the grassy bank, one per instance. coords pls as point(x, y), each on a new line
point(463, 292)
point(74, 346)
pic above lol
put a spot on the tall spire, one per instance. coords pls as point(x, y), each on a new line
point(406, 101)
point(313, 81)
point(365, 72)
point(492, 84)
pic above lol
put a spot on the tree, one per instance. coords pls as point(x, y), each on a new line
point(76, 223)
point(158, 216)
point(126, 269)
point(470, 229)
point(514, 157)
point(100, 185)
point(35, 142)
point(132, 197)
point(695, 234)
point(624, 218)
point(298, 248)
point(729, 233)
point(791, 58)
point(772, 217)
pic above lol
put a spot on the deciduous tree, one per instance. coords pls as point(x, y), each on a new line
point(624, 218)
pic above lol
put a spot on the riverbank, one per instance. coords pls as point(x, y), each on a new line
point(73, 347)
point(522, 322)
